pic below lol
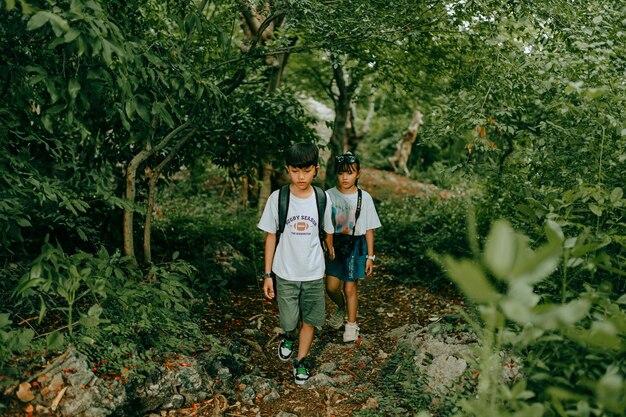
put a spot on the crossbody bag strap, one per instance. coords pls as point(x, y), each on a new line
point(358, 210)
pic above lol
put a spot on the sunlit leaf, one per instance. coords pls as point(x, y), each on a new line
point(471, 280)
point(501, 249)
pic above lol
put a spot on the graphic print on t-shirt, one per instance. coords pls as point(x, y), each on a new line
point(301, 225)
point(344, 218)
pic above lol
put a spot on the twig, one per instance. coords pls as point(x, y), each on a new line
point(58, 361)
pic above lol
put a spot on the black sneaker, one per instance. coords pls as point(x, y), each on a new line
point(300, 371)
point(285, 348)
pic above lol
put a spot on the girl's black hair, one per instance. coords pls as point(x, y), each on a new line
point(342, 164)
point(302, 155)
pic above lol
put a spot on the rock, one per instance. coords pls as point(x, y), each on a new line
point(371, 404)
point(286, 414)
point(328, 368)
point(271, 396)
point(319, 380)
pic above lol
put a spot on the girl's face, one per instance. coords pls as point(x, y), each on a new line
point(346, 181)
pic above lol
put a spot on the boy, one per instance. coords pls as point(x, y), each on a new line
point(298, 259)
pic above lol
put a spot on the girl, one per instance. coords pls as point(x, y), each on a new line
point(354, 218)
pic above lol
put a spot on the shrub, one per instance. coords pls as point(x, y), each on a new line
point(413, 227)
point(222, 243)
point(108, 308)
point(574, 350)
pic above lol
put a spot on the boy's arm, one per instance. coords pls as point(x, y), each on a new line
point(270, 247)
point(369, 239)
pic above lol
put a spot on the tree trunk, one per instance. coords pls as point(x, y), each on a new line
point(131, 178)
point(265, 184)
point(339, 137)
point(405, 145)
point(260, 29)
point(153, 177)
point(131, 174)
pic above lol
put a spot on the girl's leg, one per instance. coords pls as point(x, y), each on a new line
point(351, 300)
point(333, 289)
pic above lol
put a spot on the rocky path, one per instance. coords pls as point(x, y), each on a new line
point(344, 375)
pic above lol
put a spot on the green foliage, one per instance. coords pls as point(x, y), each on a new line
point(221, 241)
point(251, 132)
point(58, 282)
point(107, 308)
point(413, 227)
point(400, 390)
point(590, 328)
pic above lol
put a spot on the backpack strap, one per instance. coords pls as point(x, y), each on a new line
point(283, 207)
point(320, 199)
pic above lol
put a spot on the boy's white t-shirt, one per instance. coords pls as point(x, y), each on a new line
point(344, 212)
point(299, 255)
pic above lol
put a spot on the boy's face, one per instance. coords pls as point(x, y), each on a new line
point(302, 177)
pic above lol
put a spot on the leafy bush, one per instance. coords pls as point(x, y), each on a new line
point(413, 227)
point(574, 351)
point(222, 242)
point(109, 309)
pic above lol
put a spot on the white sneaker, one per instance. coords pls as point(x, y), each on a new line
point(336, 320)
point(351, 333)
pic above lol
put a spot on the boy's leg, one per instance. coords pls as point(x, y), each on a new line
point(305, 340)
point(288, 307)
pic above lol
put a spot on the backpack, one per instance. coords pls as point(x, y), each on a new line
point(283, 207)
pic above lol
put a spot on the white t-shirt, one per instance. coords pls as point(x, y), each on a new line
point(344, 212)
point(299, 255)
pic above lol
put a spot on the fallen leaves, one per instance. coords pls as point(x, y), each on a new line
point(24, 392)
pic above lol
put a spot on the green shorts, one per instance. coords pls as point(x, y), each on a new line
point(300, 298)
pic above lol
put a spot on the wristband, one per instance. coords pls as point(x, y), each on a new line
point(264, 276)
point(373, 257)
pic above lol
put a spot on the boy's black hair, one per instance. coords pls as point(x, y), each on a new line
point(342, 165)
point(302, 155)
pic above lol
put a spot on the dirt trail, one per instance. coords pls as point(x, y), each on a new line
point(384, 305)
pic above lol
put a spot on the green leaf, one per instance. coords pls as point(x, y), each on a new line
point(616, 194)
point(42, 309)
point(622, 299)
point(38, 20)
point(74, 87)
point(35, 271)
point(59, 25)
point(501, 249)
point(471, 280)
point(71, 35)
point(55, 340)
point(142, 111)
point(87, 340)
point(23, 222)
point(536, 266)
point(107, 48)
point(95, 310)
point(595, 209)
point(4, 320)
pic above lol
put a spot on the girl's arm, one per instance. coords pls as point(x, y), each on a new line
point(369, 239)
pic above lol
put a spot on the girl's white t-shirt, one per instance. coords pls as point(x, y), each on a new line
point(344, 212)
point(299, 255)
